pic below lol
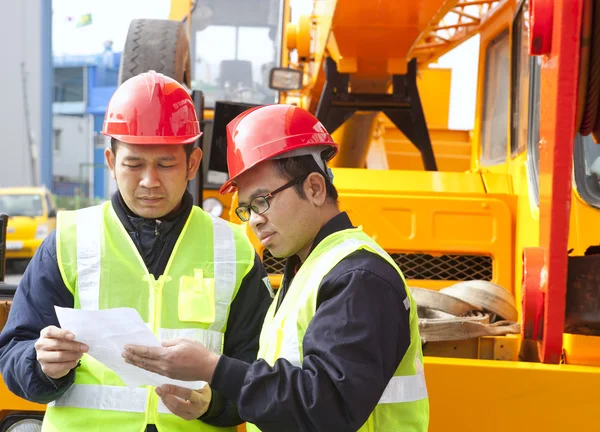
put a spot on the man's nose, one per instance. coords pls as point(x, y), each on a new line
point(256, 220)
point(150, 178)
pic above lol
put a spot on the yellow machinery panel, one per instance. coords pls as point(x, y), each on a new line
point(16, 403)
point(12, 403)
point(452, 149)
point(447, 215)
point(434, 91)
point(480, 395)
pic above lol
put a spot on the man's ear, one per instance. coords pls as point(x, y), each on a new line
point(194, 163)
point(315, 188)
point(110, 161)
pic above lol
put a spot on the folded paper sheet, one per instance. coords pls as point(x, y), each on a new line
point(106, 332)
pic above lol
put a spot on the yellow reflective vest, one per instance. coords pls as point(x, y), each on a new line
point(102, 268)
point(404, 405)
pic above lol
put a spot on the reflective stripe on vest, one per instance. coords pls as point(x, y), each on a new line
point(107, 398)
point(89, 233)
point(408, 388)
point(225, 263)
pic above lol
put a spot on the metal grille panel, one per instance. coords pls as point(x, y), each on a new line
point(273, 265)
point(445, 267)
point(419, 266)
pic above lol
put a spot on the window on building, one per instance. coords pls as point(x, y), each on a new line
point(494, 128)
point(521, 69)
point(101, 141)
point(57, 144)
point(107, 70)
point(69, 84)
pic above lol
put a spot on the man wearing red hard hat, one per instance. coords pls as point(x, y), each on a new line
point(187, 274)
point(340, 348)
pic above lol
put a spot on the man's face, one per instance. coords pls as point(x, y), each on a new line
point(287, 227)
point(152, 178)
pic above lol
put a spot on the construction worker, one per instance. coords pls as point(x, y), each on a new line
point(340, 347)
point(149, 248)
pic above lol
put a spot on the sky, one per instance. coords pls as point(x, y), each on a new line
point(111, 20)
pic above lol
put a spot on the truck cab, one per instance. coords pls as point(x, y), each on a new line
point(32, 216)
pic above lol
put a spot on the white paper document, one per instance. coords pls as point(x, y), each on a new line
point(106, 332)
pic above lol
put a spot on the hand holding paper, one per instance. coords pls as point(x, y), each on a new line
point(185, 403)
point(183, 359)
point(57, 352)
point(106, 332)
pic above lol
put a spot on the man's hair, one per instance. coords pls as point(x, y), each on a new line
point(297, 166)
point(114, 143)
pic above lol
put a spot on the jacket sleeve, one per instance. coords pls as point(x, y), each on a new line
point(352, 347)
point(40, 289)
point(246, 317)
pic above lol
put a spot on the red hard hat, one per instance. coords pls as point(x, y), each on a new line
point(151, 108)
point(265, 132)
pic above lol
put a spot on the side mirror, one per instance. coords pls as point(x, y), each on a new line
point(285, 79)
point(52, 213)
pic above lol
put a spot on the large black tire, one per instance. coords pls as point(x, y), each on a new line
point(159, 45)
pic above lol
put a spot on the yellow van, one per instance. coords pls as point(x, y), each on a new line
point(32, 216)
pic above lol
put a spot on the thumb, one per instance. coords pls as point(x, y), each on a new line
point(169, 343)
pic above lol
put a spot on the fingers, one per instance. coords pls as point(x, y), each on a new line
point(53, 332)
point(148, 358)
point(180, 407)
point(54, 339)
point(185, 403)
point(179, 342)
point(151, 353)
point(170, 343)
point(180, 392)
point(60, 345)
point(143, 363)
point(58, 356)
point(57, 352)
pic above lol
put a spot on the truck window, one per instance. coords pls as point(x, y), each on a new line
point(49, 204)
point(533, 149)
point(234, 46)
point(22, 205)
point(587, 169)
point(521, 68)
point(494, 127)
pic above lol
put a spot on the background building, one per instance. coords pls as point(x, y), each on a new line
point(21, 102)
point(83, 86)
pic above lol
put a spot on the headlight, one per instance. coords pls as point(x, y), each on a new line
point(41, 232)
point(285, 79)
point(27, 425)
point(213, 206)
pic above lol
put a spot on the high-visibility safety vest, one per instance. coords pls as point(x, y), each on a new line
point(404, 405)
point(102, 268)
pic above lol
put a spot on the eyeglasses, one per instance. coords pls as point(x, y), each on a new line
point(260, 204)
